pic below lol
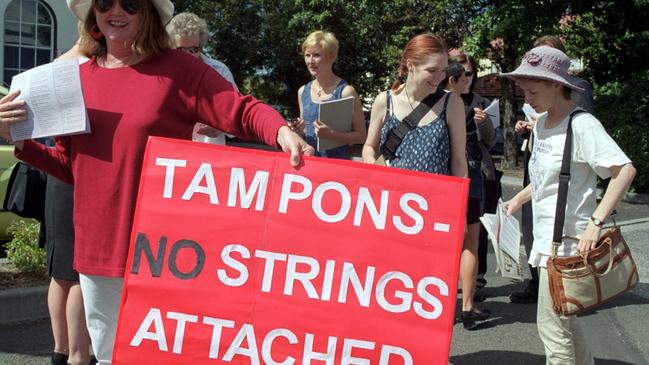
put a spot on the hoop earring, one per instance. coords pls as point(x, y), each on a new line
point(96, 33)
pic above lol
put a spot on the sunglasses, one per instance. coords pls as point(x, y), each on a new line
point(130, 6)
point(192, 50)
point(468, 73)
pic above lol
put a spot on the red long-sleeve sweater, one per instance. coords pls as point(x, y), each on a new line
point(161, 96)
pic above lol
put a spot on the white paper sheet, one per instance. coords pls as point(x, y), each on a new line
point(503, 236)
point(54, 100)
point(532, 115)
point(493, 111)
point(509, 233)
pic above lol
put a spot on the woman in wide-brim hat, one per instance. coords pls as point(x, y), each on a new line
point(134, 87)
point(543, 76)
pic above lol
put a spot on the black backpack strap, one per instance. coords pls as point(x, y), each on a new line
point(564, 178)
point(443, 113)
point(397, 134)
point(388, 104)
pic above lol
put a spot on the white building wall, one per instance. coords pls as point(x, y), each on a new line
point(65, 27)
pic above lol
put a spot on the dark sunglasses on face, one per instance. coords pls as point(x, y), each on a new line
point(192, 50)
point(129, 6)
point(468, 73)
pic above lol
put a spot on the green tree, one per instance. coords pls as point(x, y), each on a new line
point(260, 40)
point(502, 32)
point(612, 38)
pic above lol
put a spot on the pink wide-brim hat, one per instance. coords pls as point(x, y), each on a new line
point(545, 63)
point(80, 8)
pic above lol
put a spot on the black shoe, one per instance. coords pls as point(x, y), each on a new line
point(470, 318)
point(93, 361)
point(59, 358)
point(529, 295)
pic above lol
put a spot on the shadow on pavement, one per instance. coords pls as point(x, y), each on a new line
point(27, 338)
point(502, 313)
point(498, 357)
point(513, 358)
point(611, 362)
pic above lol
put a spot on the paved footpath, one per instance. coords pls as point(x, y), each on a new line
point(618, 332)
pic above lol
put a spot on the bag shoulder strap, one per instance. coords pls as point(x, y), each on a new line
point(397, 134)
point(564, 179)
point(388, 104)
point(443, 114)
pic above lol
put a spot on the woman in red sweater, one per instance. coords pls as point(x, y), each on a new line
point(134, 87)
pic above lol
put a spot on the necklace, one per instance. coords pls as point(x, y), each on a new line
point(408, 97)
point(320, 90)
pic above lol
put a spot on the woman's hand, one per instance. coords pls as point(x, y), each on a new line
point(297, 125)
point(512, 205)
point(206, 130)
point(589, 238)
point(323, 130)
point(370, 160)
point(520, 127)
point(11, 111)
point(523, 127)
point(480, 116)
point(290, 142)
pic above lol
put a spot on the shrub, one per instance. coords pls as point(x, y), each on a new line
point(23, 251)
point(623, 108)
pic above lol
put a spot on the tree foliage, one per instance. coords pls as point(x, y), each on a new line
point(502, 33)
point(260, 40)
point(612, 38)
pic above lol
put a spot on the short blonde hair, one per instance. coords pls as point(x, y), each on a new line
point(188, 25)
point(326, 40)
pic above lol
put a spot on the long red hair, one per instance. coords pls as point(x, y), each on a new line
point(416, 50)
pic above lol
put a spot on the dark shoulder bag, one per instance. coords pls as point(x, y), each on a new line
point(579, 283)
point(397, 134)
point(25, 194)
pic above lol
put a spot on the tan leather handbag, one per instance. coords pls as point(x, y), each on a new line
point(578, 283)
point(582, 282)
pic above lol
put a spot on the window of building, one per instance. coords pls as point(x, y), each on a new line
point(28, 36)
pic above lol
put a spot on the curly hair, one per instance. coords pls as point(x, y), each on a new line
point(188, 25)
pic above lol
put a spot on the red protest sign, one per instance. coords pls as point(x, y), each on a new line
point(236, 257)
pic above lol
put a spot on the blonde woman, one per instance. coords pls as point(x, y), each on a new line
point(320, 51)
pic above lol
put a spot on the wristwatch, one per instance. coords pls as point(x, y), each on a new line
point(596, 221)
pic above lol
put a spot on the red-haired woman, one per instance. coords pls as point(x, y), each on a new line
point(438, 145)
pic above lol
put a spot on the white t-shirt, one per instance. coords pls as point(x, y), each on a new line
point(224, 71)
point(593, 153)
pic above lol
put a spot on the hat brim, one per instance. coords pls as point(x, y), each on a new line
point(569, 81)
point(80, 8)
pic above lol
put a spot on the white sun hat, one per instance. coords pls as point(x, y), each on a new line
point(80, 8)
point(545, 63)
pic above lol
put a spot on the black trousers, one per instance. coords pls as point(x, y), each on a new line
point(493, 192)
